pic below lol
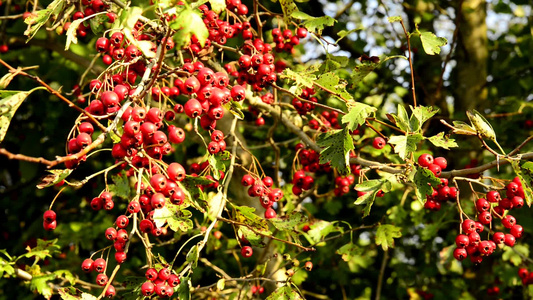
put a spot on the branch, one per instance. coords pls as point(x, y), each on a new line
point(265, 235)
point(54, 92)
point(410, 62)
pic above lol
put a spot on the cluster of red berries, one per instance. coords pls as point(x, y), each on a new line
point(440, 195)
point(434, 165)
point(262, 188)
point(301, 182)
point(342, 184)
point(470, 244)
point(105, 201)
point(257, 289)
point(99, 265)
point(286, 40)
point(78, 143)
point(162, 282)
point(526, 276)
point(90, 7)
point(310, 160)
point(304, 107)
point(327, 120)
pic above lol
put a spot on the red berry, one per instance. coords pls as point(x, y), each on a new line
point(460, 254)
point(441, 162)
point(493, 197)
point(425, 160)
point(435, 169)
point(87, 265)
point(247, 251)
point(517, 231)
point(509, 240)
point(270, 213)
point(147, 288)
point(508, 221)
point(379, 143)
point(462, 241)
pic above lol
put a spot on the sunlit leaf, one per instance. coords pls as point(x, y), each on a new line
point(386, 234)
point(432, 43)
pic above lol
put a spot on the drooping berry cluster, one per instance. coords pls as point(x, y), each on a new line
point(434, 165)
point(286, 40)
point(99, 265)
point(440, 195)
point(470, 243)
point(328, 120)
point(262, 188)
point(162, 282)
point(342, 185)
point(526, 276)
point(304, 107)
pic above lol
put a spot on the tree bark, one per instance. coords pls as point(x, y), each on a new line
point(471, 56)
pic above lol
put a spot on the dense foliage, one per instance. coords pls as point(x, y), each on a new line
point(266, 150)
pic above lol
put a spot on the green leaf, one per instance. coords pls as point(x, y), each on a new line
point(349, 251)
point(55, 177)
point(235, 108)
point(463, 128)
point(246, 215)
point(10, 101)
point(402, 119)
point(344, 33)
point(404, 145)
point(43, 249)
point(424, 181)
point(39, 18)
point(394, 19)
point(6, 79)
point(187, 24)
point(514, 254)
point(288, 7)
point(525, 174)
point(442, 141)
point(357, 114)
point(121, 187)
point(40, 283)
point(337, 145)
point(255, 239)
point(386, 234)
point(302, 79)
point(192, 256)
point(284, 293)
point(175, 216)
point(432, 43)
point(313, 24)
point(184, 292)
point(72, 32)
point(66, 275)
point(320, 229)
point(361, 71)
point(481, 125)
point(6, 267)
point(215, 205)
point(371, 188)
point(332, 82)
point(290, 221)
point(217, 5)
point(420, 115)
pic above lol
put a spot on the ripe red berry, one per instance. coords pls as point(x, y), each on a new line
point(498, 237)
point(111, 233)
point(49, 216)
point(435, 169)
point(517, 231)
point(379, 143)
point(247, 251)
point(468, 226)
point(509, 240)
point(99, 265)
point(460, 254)
point(301, 32)
point(87, 265)
point(110, 292)
point(147, 288)
point(247, 180)
point(493, 197)
point(151, 274)
point(425, 160)
point(508, 221)
point(101, 279)
point(462, 241)
point(270, 213)
point(441, 162)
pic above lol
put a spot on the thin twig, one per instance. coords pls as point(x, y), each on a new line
point(265, 235)
point(410, 62)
